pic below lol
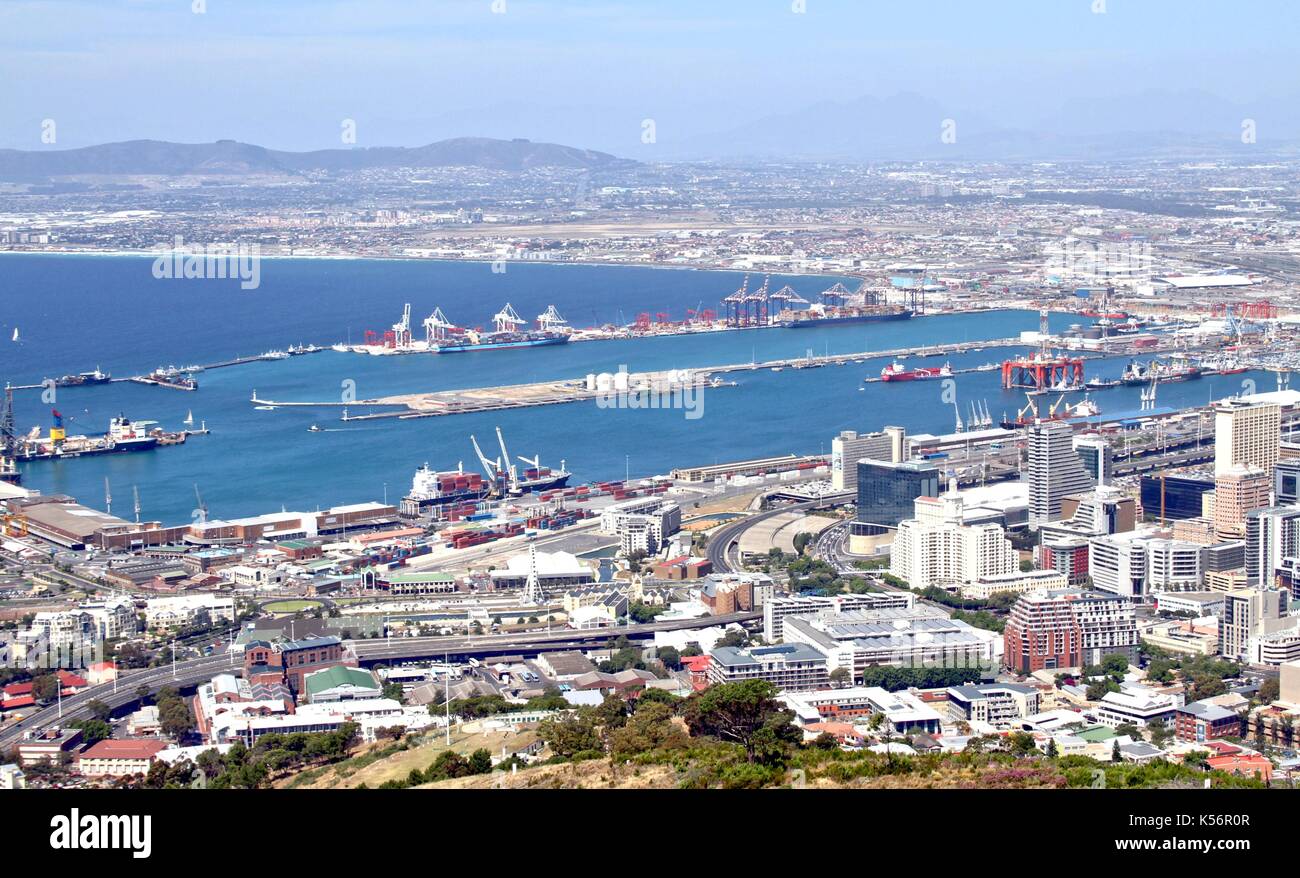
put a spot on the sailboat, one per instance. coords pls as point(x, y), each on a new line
point(16, 338)
point(189, 418)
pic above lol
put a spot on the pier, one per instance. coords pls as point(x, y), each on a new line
point(656, 384)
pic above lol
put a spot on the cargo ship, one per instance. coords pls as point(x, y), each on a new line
point(83, 379)
point(473, 340)
point(1030, 414)
point(819, 315)
point(123, 435)
point(169, 376)
point(1137, 375)
point(898, 372)
point(432, 488)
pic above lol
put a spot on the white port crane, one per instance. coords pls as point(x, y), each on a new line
point(508, 319)
point(402, 329)
point(436, 326)
point(550, 320)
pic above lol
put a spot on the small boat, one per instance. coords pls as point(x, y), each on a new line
point(1101, 383)
point(16, 334)
point(189, 418)
point(315, 428)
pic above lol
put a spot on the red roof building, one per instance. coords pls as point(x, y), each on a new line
point(119, 757)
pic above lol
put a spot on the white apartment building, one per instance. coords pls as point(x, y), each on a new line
point(1137, 705)
point(1019, 582)
point(642, 524)
point(181, 610)
point(935, 549)
point(1135, 563)
point(994, 704)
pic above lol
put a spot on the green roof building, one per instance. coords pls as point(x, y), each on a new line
point(340, 683)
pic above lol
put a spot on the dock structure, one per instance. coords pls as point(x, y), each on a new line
point(484, 399)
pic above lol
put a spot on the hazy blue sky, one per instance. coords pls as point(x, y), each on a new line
point(284, 73)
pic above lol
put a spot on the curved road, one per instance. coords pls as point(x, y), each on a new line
point(196, 671)
point(726, 535)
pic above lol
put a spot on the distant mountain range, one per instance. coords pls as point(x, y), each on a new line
point(229, 157)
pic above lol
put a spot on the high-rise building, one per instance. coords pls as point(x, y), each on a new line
point(1055, 470)
point(1286, 482)
point(1068, 628)
point(1246, 433)
point(1095, 453)
point(936, 548)
point(1239, 491)
point(887, 492)
point(850, 447)
point(1272, 535)
point(1247, 613)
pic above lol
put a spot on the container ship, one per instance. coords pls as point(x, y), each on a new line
point(818, 316)
point(898, 372)
point(472, 340)
point(432, 488)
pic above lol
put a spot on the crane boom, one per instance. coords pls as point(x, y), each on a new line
point(490, 467)
point(505, 462)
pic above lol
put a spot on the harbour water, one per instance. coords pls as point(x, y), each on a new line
point(78, 312)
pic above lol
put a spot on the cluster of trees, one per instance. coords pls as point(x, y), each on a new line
point(252, 768)
point(449, 764)
point(478, 706)
point(641, 613)
point(810, 575)
point(892, 678)
point(1202, 676)
point(1110, 672)
point(174, 713)
point(746, 714)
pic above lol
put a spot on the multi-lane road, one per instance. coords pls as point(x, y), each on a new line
point(195, 671)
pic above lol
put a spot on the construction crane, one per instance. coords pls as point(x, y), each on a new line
point(202, 507)
point(108, 497)
point(135, 494)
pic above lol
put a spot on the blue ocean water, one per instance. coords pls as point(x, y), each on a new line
point(78, 312)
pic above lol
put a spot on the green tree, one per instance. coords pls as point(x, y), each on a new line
point(99, 710)
point(570, 733)
point(45, 687)
point(93, 731)
point(669, 656)
point(746, 713)
point(480, 761)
